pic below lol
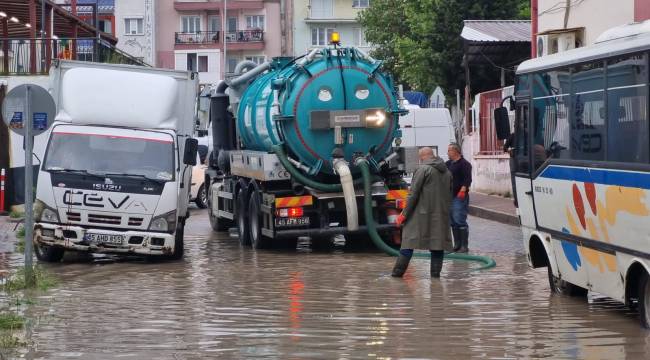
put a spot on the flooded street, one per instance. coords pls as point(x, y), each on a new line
point(223, 301)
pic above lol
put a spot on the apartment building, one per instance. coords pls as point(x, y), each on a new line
point(315, 20)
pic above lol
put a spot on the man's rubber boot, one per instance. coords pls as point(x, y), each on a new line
point(464, 238)
point(457, 243)
point(401, 265)
point(436, 262)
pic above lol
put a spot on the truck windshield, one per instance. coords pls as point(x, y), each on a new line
point(100, 154)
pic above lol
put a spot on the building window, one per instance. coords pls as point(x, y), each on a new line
point(320, 36)
point(359, 37)
point(255, 22)
point(133, 26)
point(191, 62)
point(190, 24)
point(203, 64)
point(105, 26)
point(214, 23)
point(256, 59)
point(232, 63)
point(322, 9)
point(360, 3)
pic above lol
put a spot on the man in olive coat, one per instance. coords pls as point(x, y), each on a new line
point(426, 216)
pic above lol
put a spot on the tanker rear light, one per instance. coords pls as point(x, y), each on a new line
point(292, 212)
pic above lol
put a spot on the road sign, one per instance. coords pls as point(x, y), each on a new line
point(28, 110)
point(42, 108)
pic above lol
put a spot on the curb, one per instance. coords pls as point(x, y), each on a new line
point(493, 215)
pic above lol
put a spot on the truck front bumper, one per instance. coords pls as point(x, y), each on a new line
point(75, 238)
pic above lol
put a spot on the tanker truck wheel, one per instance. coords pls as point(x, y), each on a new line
point(243, 223)
point(258, 241)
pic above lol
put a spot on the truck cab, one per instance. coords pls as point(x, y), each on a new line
point(120, 183)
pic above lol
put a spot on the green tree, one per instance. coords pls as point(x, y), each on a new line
point(420, 39)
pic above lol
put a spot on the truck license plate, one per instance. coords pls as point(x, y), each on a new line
point(104, 239)
point(301, 221)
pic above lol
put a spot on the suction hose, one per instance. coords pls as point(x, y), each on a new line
point(342, 168)
point(362, 163)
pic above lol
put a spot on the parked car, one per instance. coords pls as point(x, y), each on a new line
point(198, 192)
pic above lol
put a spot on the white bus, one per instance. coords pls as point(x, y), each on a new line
point(581, 166)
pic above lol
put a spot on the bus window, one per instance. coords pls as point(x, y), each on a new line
point(550, 116)
point(588, 130)
point(627, 116)
point(522, 84)
point(522, 160)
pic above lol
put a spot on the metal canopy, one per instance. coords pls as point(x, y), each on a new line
point(496, 42)
point(64, 22)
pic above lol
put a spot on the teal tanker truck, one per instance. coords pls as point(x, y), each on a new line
point(305, 146)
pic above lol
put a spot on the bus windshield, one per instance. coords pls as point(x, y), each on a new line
point(100, 154)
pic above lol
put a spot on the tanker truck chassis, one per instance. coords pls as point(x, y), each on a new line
point(273, 211)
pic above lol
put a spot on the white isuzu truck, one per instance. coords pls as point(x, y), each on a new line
point(115, 176)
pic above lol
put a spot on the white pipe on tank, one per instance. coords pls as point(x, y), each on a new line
point(342, 168)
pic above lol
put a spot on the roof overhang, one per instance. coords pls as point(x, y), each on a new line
point(63, 22)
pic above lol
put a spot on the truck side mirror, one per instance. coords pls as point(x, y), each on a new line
point(191, 148)
point(502, 123)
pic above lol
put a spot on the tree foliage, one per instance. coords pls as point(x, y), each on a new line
point(419, 40)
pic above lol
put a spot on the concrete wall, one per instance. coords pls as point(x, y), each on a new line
point(143, 46)
point(167, 24)
point(595, 16)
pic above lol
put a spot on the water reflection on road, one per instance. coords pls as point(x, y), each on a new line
point(223, 301)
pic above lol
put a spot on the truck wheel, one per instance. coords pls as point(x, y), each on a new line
point(179, 242)
point(243, 228)
point(561, 287)
point(48, 253)
point(202, 198)
point(258, 241)
point(644, 301)
point(322, 242)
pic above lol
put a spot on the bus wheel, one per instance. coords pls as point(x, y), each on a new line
point(257, 240)
point(644, 301)
point(561, 287)
point(243, 229)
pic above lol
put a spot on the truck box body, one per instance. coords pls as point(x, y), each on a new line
point(113, 178)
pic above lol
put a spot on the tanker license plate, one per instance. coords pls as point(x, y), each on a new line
point(301, 221)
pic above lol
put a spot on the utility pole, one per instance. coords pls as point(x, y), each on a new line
point(225, 38)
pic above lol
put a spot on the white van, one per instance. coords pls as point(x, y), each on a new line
point(116, 172)
point(427, 127)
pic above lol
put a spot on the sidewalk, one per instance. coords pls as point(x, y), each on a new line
point(493, 208)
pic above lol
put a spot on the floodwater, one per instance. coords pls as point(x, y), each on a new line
point(223, 301)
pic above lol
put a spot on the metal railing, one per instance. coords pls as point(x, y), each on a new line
point(199, 37)
point(244, 36)
point(26, 56)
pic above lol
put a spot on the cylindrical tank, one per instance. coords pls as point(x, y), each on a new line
point(331, 101)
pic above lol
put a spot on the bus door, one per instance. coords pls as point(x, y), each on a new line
point(522, 167)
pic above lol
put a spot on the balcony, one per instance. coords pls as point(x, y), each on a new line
point(200, 37)
point(28, 56)
point(245, 40)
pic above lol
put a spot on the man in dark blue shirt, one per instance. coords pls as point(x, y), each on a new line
point(461, 170)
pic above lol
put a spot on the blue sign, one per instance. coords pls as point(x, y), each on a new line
point(16, 121)
point(40, 121)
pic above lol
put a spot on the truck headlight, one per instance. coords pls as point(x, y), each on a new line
point(44, 213)
point(164, 223)
point(375, 118)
